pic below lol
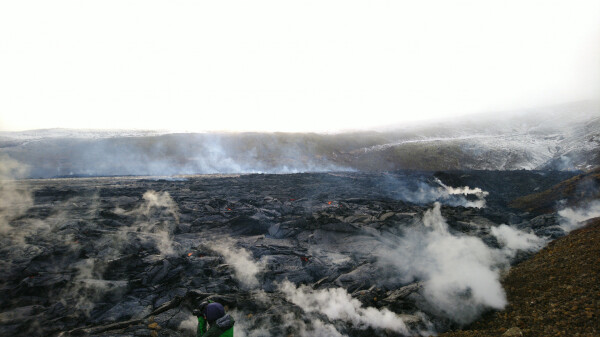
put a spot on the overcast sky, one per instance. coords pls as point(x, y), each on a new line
point(288, 65)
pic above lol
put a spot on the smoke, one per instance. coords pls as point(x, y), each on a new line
point(448, 191)
point(316, 328)
point(154, 200)
point(11, 169)
point(421, 192)
point(572, 218)
point(154, 221)
point(151, 224)
point(245, 269)
point(331, 257)
point(15, 199)
point(288, 323)
point(564, 163)
point(190, 325)
point(337, 304)
point(246, 326)
point(87, 286)
point(55, 231)
point(514, 240)
point(279, 324)
point(176, 154)
point(460, 274)
point(83, 286)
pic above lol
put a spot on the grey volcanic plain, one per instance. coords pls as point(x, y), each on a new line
point(311, 254)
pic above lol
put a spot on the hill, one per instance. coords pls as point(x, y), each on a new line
point(576, 190)
point(555, 293)
point(565, 137)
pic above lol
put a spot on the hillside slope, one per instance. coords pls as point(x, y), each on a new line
point(555, 293)
point(574, 191)
point(566, 137)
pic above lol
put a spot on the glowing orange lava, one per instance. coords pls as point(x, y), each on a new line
point(329, 202)
point(190, 254)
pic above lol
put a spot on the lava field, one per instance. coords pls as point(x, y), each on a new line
point(310, 254)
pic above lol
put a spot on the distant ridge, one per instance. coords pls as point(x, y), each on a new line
point(77, 133)
point(566, 137)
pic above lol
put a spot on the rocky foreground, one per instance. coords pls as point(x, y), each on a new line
point(332, 254)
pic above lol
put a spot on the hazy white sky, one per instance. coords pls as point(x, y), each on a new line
point(288, 65)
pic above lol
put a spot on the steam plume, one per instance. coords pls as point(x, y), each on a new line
point(459, 273)
point(244, 267)
point(464, 191)
point(337, 304)
point(421, 192)
point(513, 240)
point(15, 200)
point(573, 218)
point(155, 218)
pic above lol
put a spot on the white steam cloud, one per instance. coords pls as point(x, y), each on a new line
point(460, 277)
point(245, 269)
point(156, 218)
point(174, 154)
point(337, 304)
point(84, 285)
point(513, 240)
point(316, 328)
point(245, 327)
point(460, 274)
point(465, 191)
point(573, 218)
point(15, 200)
point(153, 200)
point(423, 193)
point(190, 325)
point(89, 286)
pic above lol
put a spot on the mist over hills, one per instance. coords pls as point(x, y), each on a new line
point(565, 137)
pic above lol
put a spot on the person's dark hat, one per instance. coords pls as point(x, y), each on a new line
point(214, 311)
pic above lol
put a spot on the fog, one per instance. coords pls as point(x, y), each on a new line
point(295, 67)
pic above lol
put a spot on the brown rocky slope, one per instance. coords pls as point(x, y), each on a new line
point(555, 293)
point(577, 190)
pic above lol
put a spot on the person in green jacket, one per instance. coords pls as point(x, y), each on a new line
point(219, 323)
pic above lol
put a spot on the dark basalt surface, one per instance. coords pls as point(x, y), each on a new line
point(93, 256)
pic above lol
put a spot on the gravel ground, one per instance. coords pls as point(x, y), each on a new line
point(555, 293)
